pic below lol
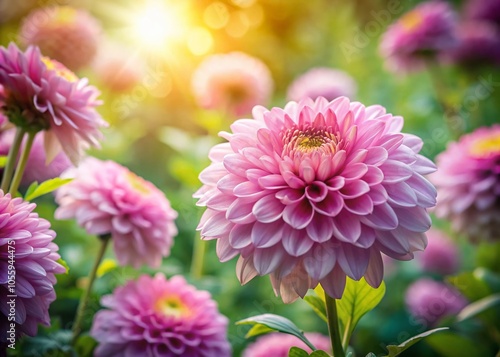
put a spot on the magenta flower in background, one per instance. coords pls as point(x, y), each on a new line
point(26, 243)
point(278, 345)
point(68, 35)
point(483, 10)
point(233, 82)
point(41, 94)
point(107, 198)
point(314, 192)
point(418, 36)
point(441, 255)
point(3, 118)
point(37, 168)
point(322, 82)
point(468, 184)
point(429, 300)
point(160, 317)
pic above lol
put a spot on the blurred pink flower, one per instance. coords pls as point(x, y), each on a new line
point(37, 168)
point(3, 118)
point(418, 36)
point(429, 300)
point(468, 184)
point(41, 94)
point(441, 255)
point(314, 192)
point(106, 198)
point(160, 317)
point(483, 10)
point(26, 244)
point(65, 34)
point(234, 82)
point(322, 82)
point(278, 345)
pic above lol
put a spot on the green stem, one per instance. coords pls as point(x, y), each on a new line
point(11, 159)
point(86, 294)
point(16, 181)
point(198, 259)
point(333, 326)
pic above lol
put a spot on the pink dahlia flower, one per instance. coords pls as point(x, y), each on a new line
point(322, 82)
point(37, 168)
point(418, 36)
point(483, 10)
point(3, 118)
point(441, 255)
point(41, 94)
point(468, 184)
point(233, 82)
point(106, 198)
point(278, 345)
point(314, 192)
point(68, 35)
point(25, 244)
point(154, 316)
point(429, 300)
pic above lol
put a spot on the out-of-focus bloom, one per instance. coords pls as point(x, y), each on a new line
point(154, 316)
point(107, 198)
point(37, 168)
point(42, 94)
point(468, 183)
point(3, 118)
point(278, 345)
point(431, 300)
point(441, 255)
point(25, 244)
point(68, 35)
point(322, 82)
point(314, 192)
point(483, 10)
point(233, 82)
point(479, 45)
point(418, 36)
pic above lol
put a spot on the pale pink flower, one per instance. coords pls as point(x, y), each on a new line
point(468, 184)
point(233, 82)
point(153, 316)
point(25, 244)
point(322, 82)
point(314, 192)
point(441, 255)
point(278, 344)
point(107, 198)
point(68, 35)
point(41, 94)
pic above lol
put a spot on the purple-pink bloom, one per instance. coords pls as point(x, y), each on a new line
point(107, 198)
point(468, 184)
point(314, 192)
point(278, 344)
point(430, 300)
point(153, 316)
point(3, 118)
point(233, 82)
point(42, 94)
point(483, 10)
point(68, 35)
point(418, 36)
point(26, 245)
point(441, 255)
point(322, 82)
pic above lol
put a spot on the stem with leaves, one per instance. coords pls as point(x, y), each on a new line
point(11, 159)
point(16, 181)
point(333, 326)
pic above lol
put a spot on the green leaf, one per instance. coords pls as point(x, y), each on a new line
point(46, 187)
point(257, 330)
point(477, 307)
point(64, 264)
point(3, 161)
point(318, 305)
point(319, 353)
point(297, 352)
point(396, 350)
point(450, 344)
point(470, 285)
point(371, 354)
point(277, 323)
point(31, 189)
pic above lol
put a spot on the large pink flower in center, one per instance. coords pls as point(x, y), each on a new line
point(314, 192)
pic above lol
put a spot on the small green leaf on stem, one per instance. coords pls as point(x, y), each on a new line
point(477, 307)
point(318, 305)
point(297, 352)
point(396, 350)
point(45, 187)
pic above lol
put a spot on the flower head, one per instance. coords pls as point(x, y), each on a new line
point(26, 244)
point(154, 316)
point(235, 82)
point(322, 82)
point(441, 255)
point(419, 35)
point(278, 345)
point(106, 198)
point(483, 10)
point(314, 192)
point(68, 35)
point(3, 118)
point(468, 184)
point(431, 300)
point(42, 94)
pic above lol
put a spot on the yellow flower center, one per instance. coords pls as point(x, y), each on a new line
point(60, 69)
point(486, 146)
point(411, 20)
point(138, 183)
point(309, 140)
point(171, 306)
point(65, 15)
